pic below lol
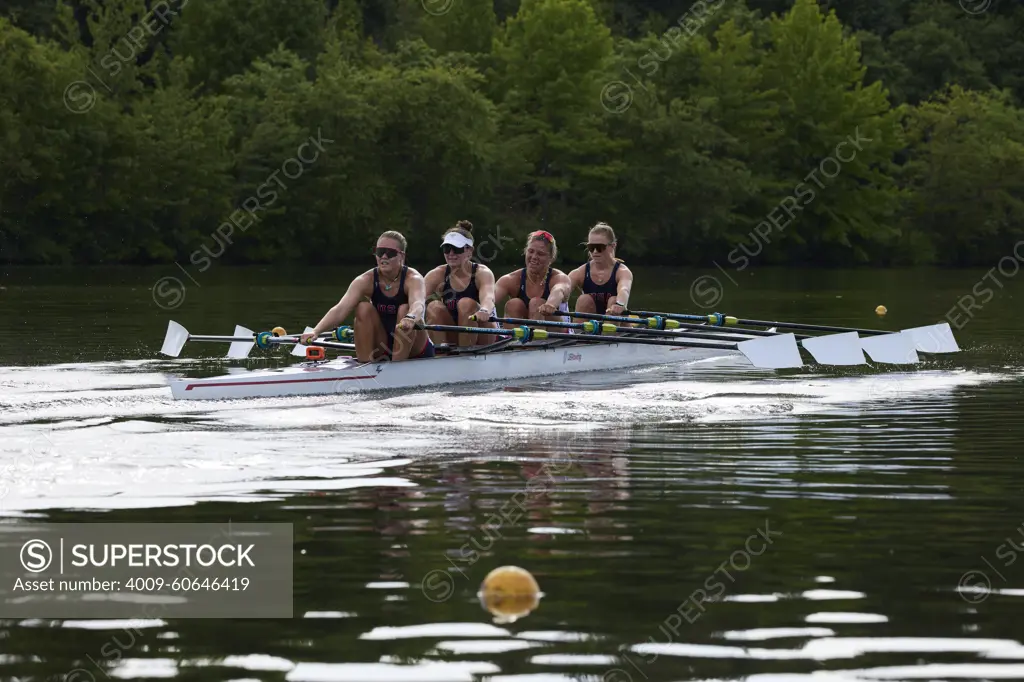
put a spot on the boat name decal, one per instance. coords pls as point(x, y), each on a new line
point(572, 357)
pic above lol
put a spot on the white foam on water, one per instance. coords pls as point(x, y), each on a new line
point(833, 648)
point(845, 618)
point(761, 634)
point(481, 646)
point(427, 671)
point(108, 435)
point(435, 630)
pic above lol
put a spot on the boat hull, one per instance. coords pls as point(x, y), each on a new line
point(345, 375)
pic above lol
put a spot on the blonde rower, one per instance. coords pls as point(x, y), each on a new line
point(538, 290)
point(605, 280)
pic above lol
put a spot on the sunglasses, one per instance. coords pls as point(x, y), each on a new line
point(448, 248)
point(382, 252)
point(543, 234)
point(597, 248)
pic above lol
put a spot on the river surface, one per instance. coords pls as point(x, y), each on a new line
point(844, 523)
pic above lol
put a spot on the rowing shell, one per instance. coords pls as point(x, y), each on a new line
point(347, 375)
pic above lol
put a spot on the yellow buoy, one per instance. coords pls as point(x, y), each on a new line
point(881, 310)
point(278, 331)
point(509, 593)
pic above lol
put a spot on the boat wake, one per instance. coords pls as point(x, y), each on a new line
point(108, 435)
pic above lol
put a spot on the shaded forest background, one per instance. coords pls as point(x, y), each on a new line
point(132, 131)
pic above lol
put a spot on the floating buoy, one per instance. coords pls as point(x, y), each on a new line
point(509, 593)
point(881, 310)
point(278, 331)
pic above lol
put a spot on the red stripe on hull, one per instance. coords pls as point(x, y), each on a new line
point(263, 383)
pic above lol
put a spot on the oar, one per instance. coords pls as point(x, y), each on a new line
point(241, 342)
point(834, 349)
point(776, 352)
point(662, 322)
point(596, 327)
point(933, 338)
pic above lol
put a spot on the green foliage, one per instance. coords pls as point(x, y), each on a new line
point(967, 171)
point(300, 130)
point(223, 37)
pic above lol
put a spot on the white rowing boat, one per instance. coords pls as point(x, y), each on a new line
point(514, 361)
point(346, 375)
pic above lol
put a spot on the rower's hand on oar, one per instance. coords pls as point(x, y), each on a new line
point(406, 324)
point(614, 309)
point(482, 315)
point(546, 309)
point(307, 337)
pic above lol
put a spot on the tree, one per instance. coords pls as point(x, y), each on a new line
point(547, 81)
point(837, 138)
point(967, 173)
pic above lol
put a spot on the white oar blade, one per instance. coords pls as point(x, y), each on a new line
point(934, 338)
point(239, 350)
point(175, 339)
point(772, 352)
point(891, 349)
point(836, 349)
point(299, 349)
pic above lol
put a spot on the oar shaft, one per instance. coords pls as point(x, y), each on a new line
point(628, 339)
point(608, 328)
point(220, 339)
point(676, 323)
point(275, 339)
point(811, 327)
point(535, 323)
point(323, 344)
point(760, 323)
point(541, 334)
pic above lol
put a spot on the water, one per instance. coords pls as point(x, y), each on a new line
point(849, 524)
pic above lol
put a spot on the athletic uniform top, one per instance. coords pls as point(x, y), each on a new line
point(601, 293)
point(387, 309)
point(522, 287)
point(563, 306)
point(387, 306)
point(451, 298)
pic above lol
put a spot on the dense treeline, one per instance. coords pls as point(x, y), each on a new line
point(775, 131)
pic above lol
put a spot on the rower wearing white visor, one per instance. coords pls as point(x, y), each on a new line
point(460, 290)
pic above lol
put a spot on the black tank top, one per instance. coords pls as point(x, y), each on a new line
point(451, 298)
point(387, 306)
point(609, 288)
point(522, 287)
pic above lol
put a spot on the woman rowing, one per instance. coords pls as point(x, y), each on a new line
point(538, 290)
point(387, 301)
point(604, 280)
point(461, 290)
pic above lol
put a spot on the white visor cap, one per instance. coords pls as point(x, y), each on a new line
point(457, 240)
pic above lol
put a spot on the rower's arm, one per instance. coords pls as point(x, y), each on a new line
point(417, 293)
point(561, 287)
point(359, 288)
point(625, 286)
point(485, 284)
point(576, 278)
point(501, 290)
point(432, 282)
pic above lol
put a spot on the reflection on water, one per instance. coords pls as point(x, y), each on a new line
point(704, 522)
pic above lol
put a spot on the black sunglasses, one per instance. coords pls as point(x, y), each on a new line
point(382, 252)
point(596, 248)
point(448, 248)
